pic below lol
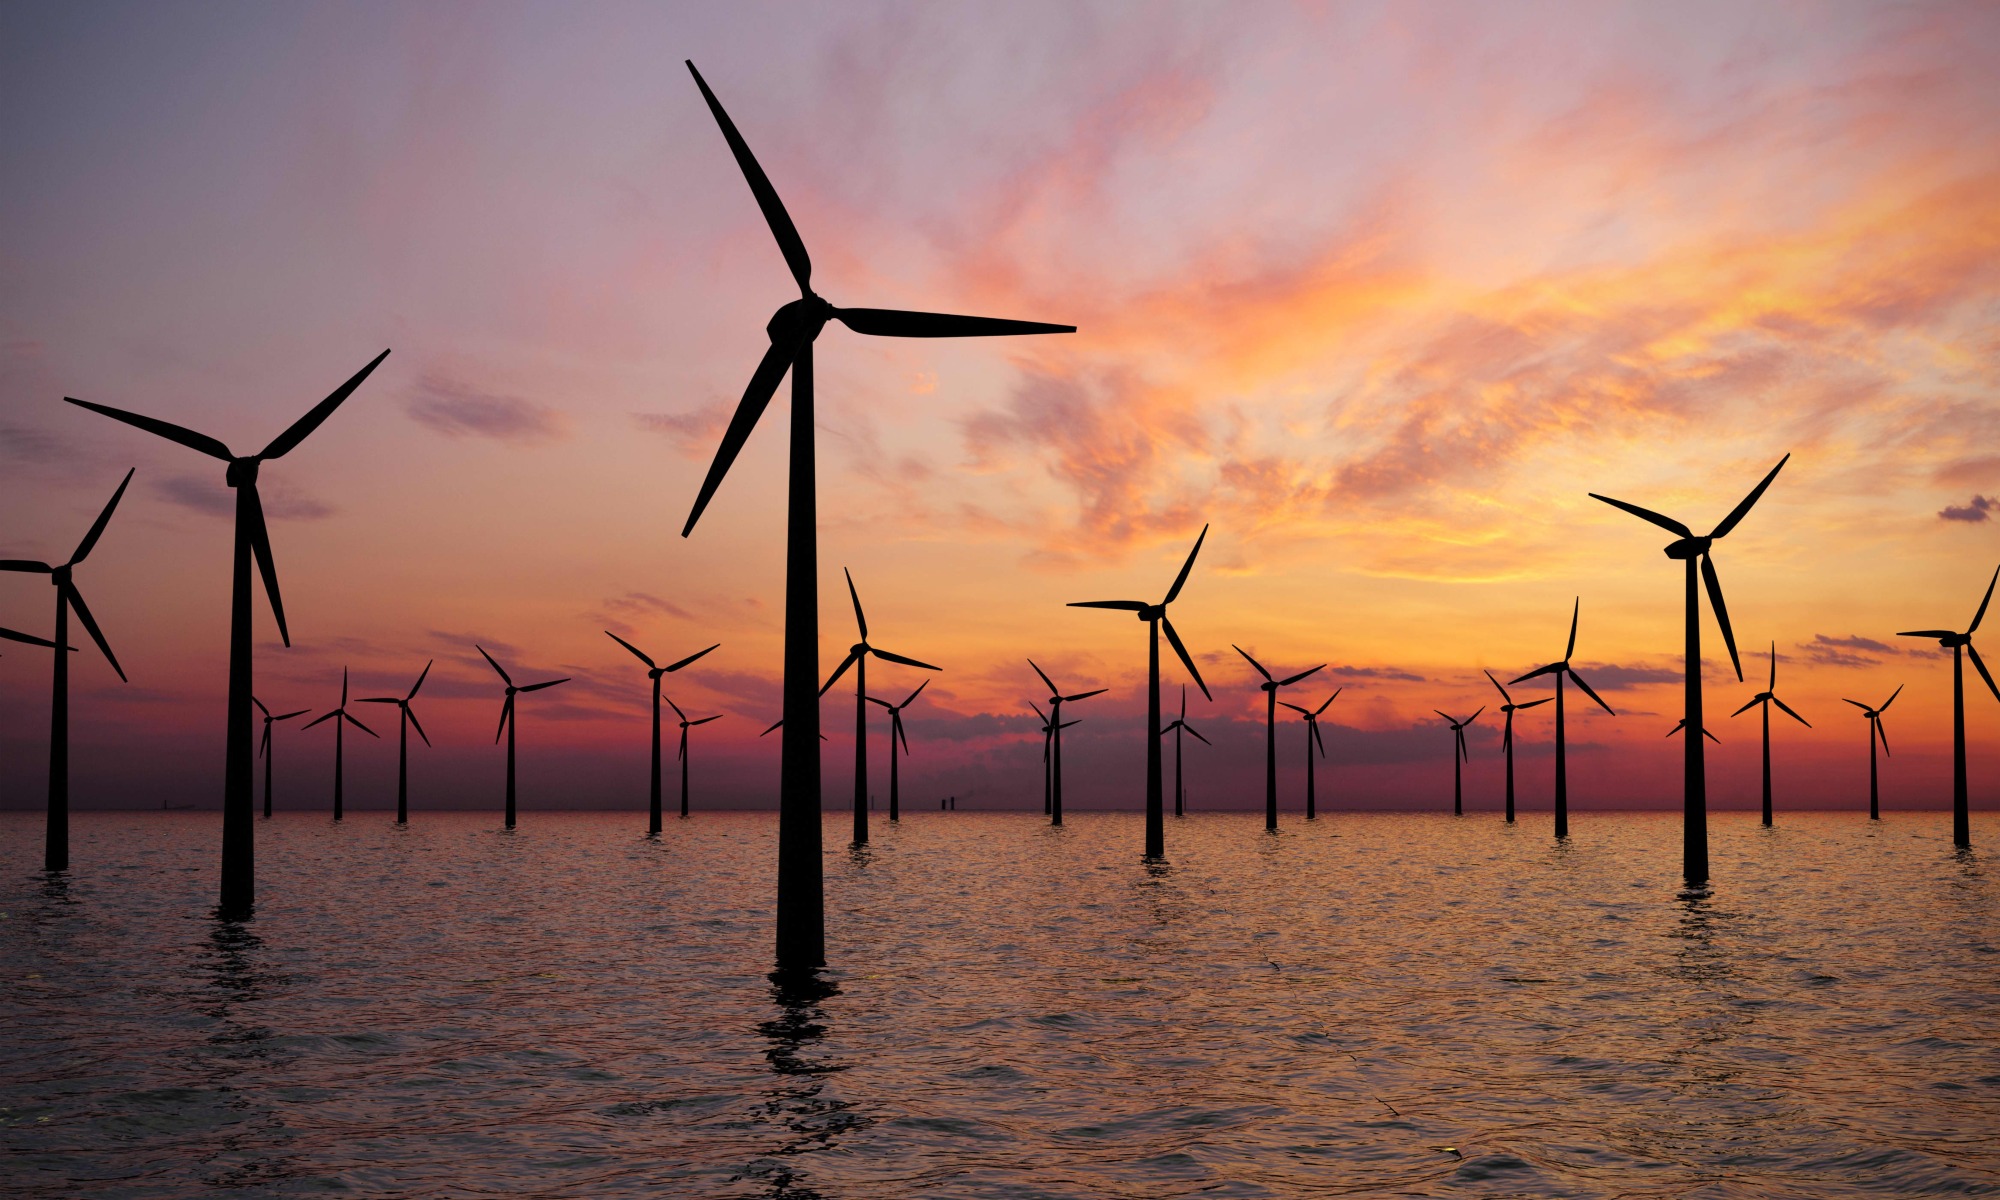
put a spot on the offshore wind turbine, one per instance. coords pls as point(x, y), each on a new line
point(1560, 669)
point(252, 540)
point(340, 718)
point(1054, 729)
point(1692, 550)
point(1270, 688)
point(1179, 727)
point(682, 754)
point(1875, 733)
point(1508, 706)
point(1767, 698)
point(1459, 757)
point(896, 735)
point(1050, 731)
point(264, 748)
point(508, 721)
point(857, 657)
point(653, 672)
point(408, 718)
point(1960, 645)
point(1313, 738)
point(55, 842)
point(1155, 617)
point(793, 331)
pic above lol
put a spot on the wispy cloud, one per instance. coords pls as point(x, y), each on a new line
point(460, 410)
point(205, 494)
point(693, 434)
point(1975, 509)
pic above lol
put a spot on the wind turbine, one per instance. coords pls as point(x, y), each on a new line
point(338, 716)
point(264, 749)
point(1054, 728)
point(1875, 733)
point(409, 718)
point(1459, 758)
point(1155, 617)
point(1767, 698)
point(1560, 669)
point(896, 735)
point(682, 754)
point(1179, 727)
point(857, 657)
point(55, 845)
point(1691, 549)
point(253, 540)
point(1049, 734)
point(1508, 706)
point(1312, 739)
point(1270, 688)
point(508, 722)
point(653, 672)
point(1960, 645)
point(793, 330)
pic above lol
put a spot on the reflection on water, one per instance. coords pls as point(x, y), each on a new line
point(1364, 1004)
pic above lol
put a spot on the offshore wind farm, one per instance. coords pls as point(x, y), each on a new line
point(1360, 376)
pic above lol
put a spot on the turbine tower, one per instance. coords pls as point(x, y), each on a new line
point(857, 657)
point(1313, 738)
point(1696, 550)
point(1270, 688)
point(1508, 706)
point(1560, 669)
point(1875, 733)
point(341, 718)
point(1767, 698)
point(653, 672)
point(408, 717)
point(253, 540)
point(508, 722)
point(801, 923)
point(1960, 645)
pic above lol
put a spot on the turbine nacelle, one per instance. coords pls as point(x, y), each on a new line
point(242, 472)
point(800, 321)
point(1689, 547)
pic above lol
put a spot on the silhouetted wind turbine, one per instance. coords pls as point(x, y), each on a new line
point(1960, 645)
point(1459, 757)
point(857, 657)
point(896, 735)
point(1508, 706)
point(1767, 698)
point(1155, 617)
point(1055, 728)
point(1682, 724)
point(508, 721)
point(1049, 733)
point(1691, 549)
point(1179, 727)
point(55, 844)
point(1560, 669)
point(264, 748)
point(801, 941)
point(1270, 688)
point(337, 716)
point(653, 672)
point(1875, 732)
point(1313, 738)
point(239, 835)
point(409, 718)
point(682, 754)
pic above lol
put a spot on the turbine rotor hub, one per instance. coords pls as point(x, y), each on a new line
point(59, 576)
point(1153, 612)
point(1689, 547)
point(1955, 641)
point(803, 317)
point(242, 472)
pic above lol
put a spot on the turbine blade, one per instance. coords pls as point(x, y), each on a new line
point(1575, 611)
point(1336, 695)
point(756, 397)
point(1533, 703)
point(1187, 660)
point(1196, 736)
point(1711, 737)
point(1773, 685)
point(900, 735)
point(1737, 514)
point(288, 716)
point(860, 621)
point(1301, 675)
point(260, 706)
point(1969, 630)
point(25, 566)
point(260, 545)
point(1181, 579)
point(1891, 699)
point(1928, 633)
point(1084, 695)
point(1678, 726)
point(1504, 697)
point(773, 725)
point(913, 695)
point(316, 720)
point(1551, 668)
point(1038, 711)
point(173, 433)
point(1856, 703)
point(1253, 662)
point(1714, 586)
point(425, 674)
point(1746, 708)
point(883, 703)
point(705, 720)
point(285, 442)
point(1170, 728)
point(677, 709)
point(1647, 514)
point(357, 724)
point(1447, 716)
point(1317, 739)
point(1507, 735)
point(343, 687)
point(1475, 715)
point(264, 744)
point(893, 322)
point(1463, 754)
point(1067, 724)
point(639, 654)
point(690, 658)
point(379, 700)
point(494, 665)
point(506, 711)
point(546, 683)
point(416, 724)
point(1881, 733)
point(1788, 709)
point(1980, 663)
point(1120, 605)
point(897, 658)
point(780, 221)
point(683, 751)
point(1593, 695)
point(1053, 689)
point(90, 627)
point(1295, 708)
point(104, 518)
point(838, 672)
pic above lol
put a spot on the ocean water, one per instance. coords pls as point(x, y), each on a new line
point(1365, 1005)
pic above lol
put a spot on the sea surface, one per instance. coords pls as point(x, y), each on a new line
point(1379, 1005)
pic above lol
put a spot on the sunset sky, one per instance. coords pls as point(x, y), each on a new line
point(1378, 292)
